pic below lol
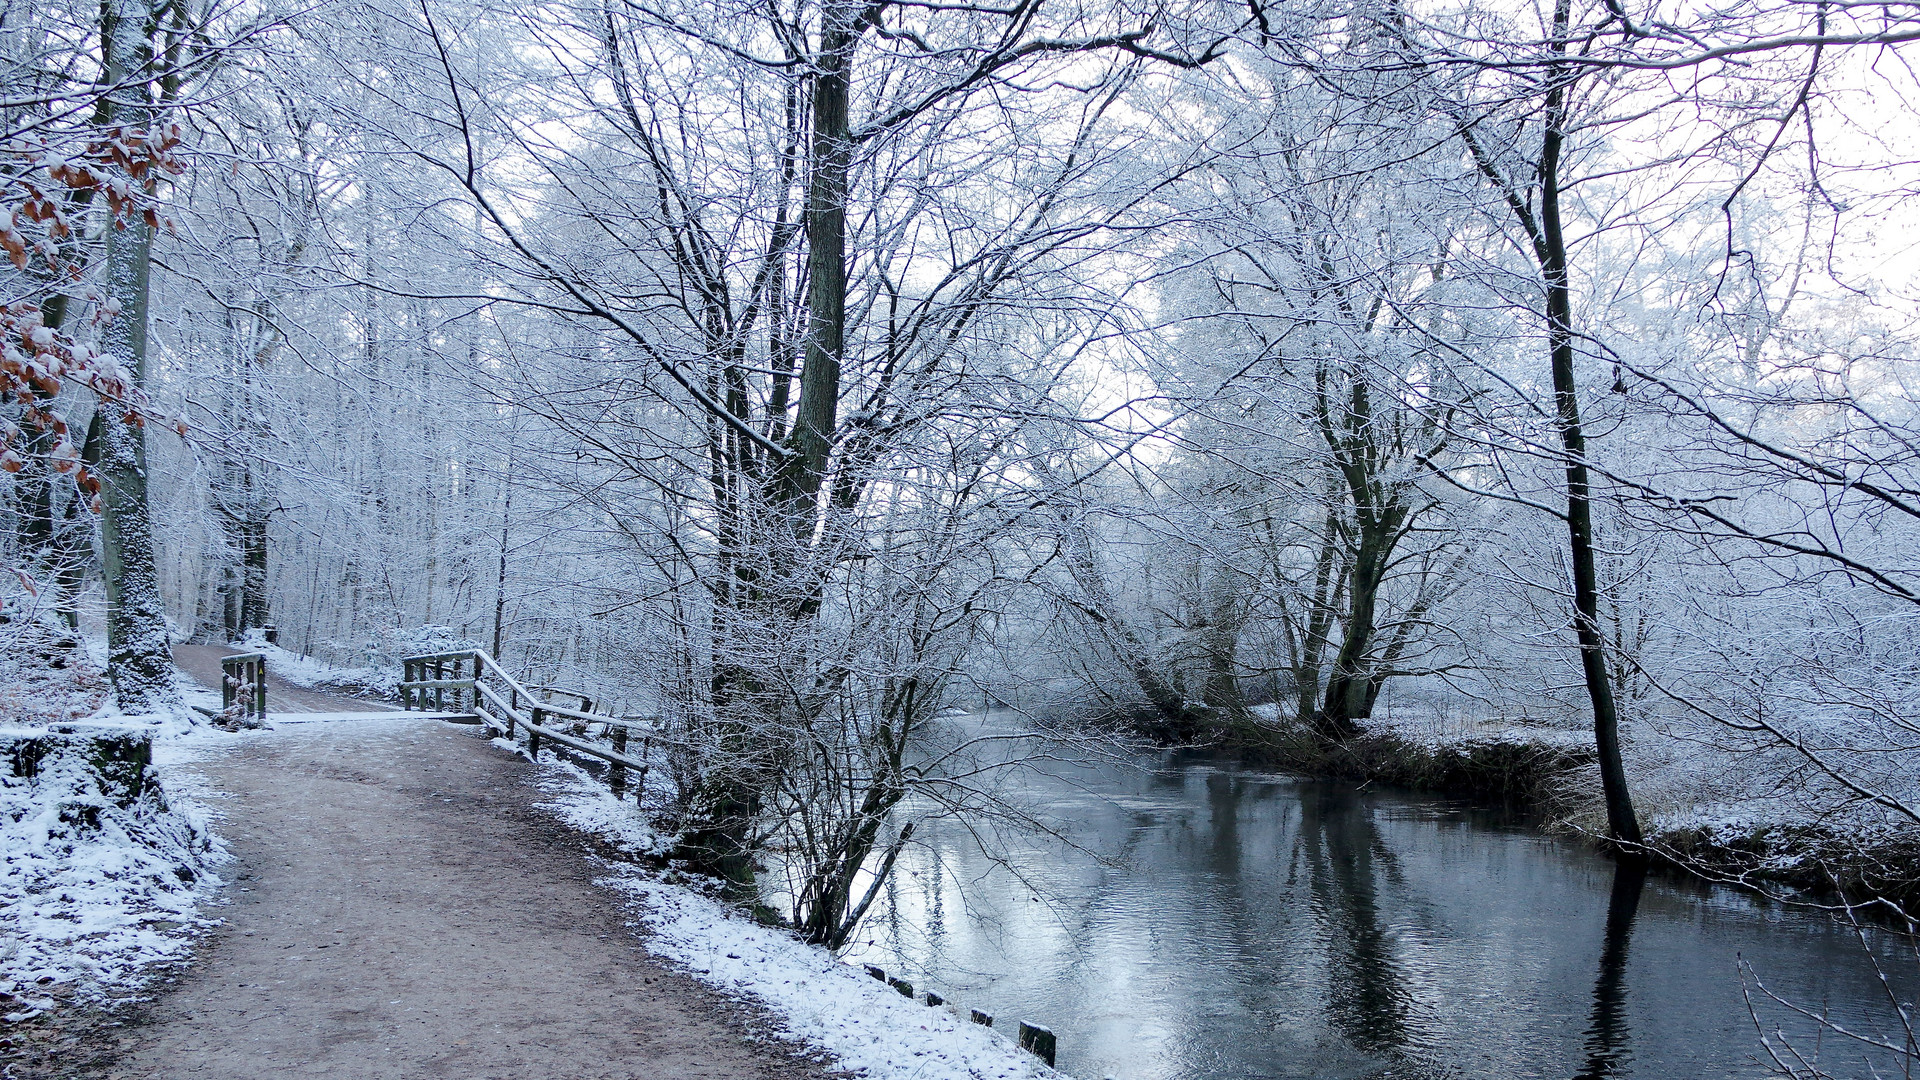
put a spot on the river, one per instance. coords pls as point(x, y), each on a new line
point(1203, 921)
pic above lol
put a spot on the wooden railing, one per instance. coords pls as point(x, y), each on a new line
point(243, 682)
point(509, 708)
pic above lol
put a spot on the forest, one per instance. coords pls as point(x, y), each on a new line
point(1503, 399)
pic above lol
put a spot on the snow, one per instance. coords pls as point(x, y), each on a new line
point(1431, 732)
point(866, 1027)
point(94, 893)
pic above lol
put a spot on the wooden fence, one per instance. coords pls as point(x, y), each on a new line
point(471, 680)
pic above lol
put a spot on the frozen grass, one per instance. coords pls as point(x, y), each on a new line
point(1716, 801)
point(866, 1027)
point(1435, 729)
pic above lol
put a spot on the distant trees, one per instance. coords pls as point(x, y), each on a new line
point(801, 344)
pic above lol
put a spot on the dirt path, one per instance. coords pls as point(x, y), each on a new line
point(400, 911)
point(203, 663)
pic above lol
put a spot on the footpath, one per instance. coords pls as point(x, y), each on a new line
point(398, 909)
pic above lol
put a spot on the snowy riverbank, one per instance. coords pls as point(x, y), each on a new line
point(863, 1025)
point(1758, 835)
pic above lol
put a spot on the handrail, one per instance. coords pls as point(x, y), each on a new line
point(501, 712)
point(585, 699)
point(556, 735)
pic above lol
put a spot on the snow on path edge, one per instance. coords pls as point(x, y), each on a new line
point(865, 1026)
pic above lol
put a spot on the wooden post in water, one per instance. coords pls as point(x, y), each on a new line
point(984, 1019)
point(932, 999)
point(902, 985)
point(1038, 1040)
point(877, 972)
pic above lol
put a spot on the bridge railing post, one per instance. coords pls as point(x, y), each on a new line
point(243, 685)
point(533, 733)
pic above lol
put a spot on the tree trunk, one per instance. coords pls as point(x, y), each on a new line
point(728, 803)
point(1349, 697)
point(138, 659)
point(1621, 821)
point(1221, 644)
point(830, 160)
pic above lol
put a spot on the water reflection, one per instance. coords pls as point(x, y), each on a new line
point(1223, 923)
point(1338, 845)
point(1607, 1032)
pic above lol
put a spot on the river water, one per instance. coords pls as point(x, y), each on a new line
point(1202, 921)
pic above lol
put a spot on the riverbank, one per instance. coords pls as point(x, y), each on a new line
point(863, 1027)
point(1550, 774)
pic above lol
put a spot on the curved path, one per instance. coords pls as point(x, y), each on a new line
point(203, 663)
point(400, 910)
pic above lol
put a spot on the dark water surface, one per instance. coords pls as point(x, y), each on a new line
point(1227, 923)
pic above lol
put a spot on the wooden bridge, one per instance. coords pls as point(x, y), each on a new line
point(465, 686)
point(472, 683)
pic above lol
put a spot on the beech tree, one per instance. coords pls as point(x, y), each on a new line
point(91, 143)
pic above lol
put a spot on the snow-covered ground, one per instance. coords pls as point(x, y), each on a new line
point(94, 893)
point(867, 1027)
